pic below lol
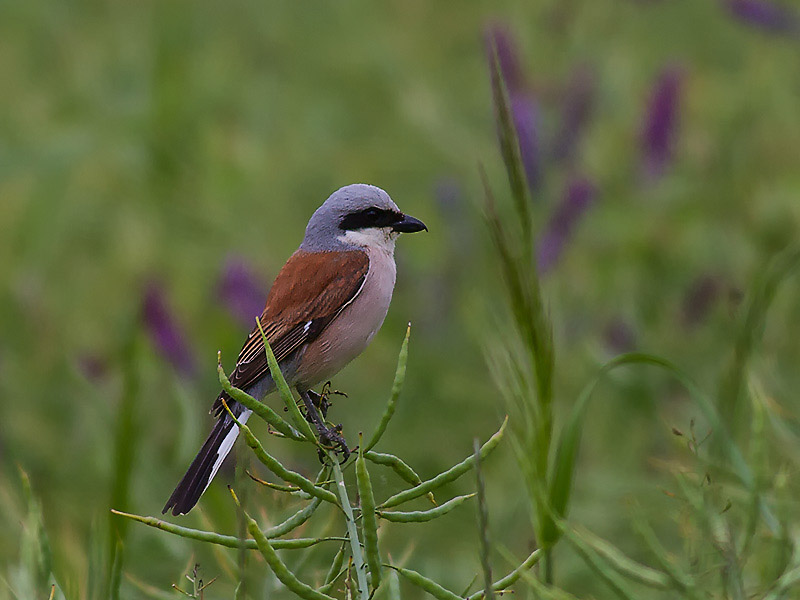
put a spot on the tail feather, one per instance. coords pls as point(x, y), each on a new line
point(207, 462)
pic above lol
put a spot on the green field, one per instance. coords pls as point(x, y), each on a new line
point(149, 150)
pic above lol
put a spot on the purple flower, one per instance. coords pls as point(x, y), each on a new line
point(700, 298)
point(163, 329)
point(240, 290)
point(577, 102)
point(661, 122)
point(619, 336)
point(578, 197)
point(499, 36)
point(92, 366)
point(765, 15)
point(522, 102)
point(525, 113)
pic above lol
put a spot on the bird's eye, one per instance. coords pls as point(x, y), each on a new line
point(368, 217)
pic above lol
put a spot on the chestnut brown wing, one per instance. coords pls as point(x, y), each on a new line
point(310, 291)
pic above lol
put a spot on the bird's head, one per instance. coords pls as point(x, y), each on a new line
point(358, 215)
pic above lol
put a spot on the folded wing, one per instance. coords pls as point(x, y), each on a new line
point(309, 292)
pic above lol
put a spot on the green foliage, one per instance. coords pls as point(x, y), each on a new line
point(525, 372)
point(483, 526)
point(283, 389)
point(152, 141)
point(364, 546)
point(421, 516)
point(261, 409)
point(369, 524)
point(397, 386)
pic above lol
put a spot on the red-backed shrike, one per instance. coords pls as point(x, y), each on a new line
point(326, 305)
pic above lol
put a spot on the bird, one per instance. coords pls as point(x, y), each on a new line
point(324, 308)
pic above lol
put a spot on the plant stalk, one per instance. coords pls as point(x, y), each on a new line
point(352, 531)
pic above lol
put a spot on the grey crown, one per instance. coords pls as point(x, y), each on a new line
point(322, 232)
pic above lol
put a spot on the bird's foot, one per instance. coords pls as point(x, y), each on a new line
point(320, 402)
point(332, 439)
point(327, 391)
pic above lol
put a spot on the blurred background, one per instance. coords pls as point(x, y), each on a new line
point(159, 162)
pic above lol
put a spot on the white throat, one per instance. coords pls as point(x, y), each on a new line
point(372, 238)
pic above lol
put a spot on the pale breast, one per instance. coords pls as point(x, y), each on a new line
point(352, 331)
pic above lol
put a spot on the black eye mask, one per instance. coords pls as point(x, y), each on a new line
point(370, 217)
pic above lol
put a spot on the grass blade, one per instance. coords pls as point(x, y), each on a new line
point(601, 569)
point(731, 401)
point(617, 560)
point(126, 440)
point(681, 580)
point(568, 444)
point(116, 573)
point(35, 554)
point(509, 145)
point(785, 584)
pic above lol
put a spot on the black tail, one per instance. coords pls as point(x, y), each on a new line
point(202, 469)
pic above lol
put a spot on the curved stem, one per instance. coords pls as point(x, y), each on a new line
point(352, 532)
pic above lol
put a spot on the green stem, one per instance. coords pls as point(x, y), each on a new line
point(352, 532)
point(547, 563)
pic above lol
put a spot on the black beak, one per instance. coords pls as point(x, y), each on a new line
point(408, 224)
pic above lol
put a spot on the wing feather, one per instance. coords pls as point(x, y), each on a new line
point(310, 291)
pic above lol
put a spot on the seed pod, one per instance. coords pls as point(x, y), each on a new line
point(276, 467)
point(261, 409)
point(451, 474)
point(284, 391)
point(334, 572)
point(421, 516)
point(430, 586)
point(229, 541)
point(397, 385)
point(398, 466)
point(285, 576)
point(369, 523)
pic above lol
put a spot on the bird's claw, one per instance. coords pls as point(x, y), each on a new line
point(332, 439)
point(327, 391)
point(320, 401)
